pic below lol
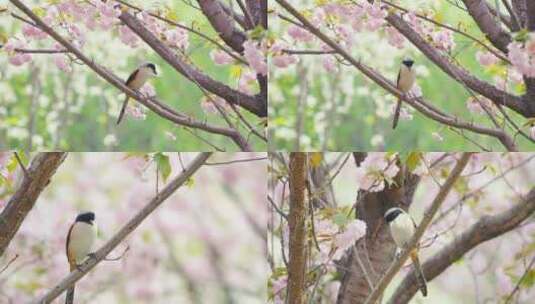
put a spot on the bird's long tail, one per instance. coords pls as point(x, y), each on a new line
point(396, 114)
point(123, 109)
point(420, 278)
point(69, 299)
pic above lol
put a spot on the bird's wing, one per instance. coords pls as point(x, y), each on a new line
point(131, 77)
point(70, 259)
point(413, 222)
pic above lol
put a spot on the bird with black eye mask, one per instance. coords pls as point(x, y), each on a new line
point(80, 239)
point(404, 83)
point(402, 228)
point(136, 80)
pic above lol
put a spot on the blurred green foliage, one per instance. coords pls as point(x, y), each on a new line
point(86, 130)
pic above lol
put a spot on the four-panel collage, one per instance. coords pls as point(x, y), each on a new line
point(254, 151)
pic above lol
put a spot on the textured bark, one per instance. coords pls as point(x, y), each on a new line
point(486, 228)
point(443, 192)
point(38, 175)
point(530, 11)
point(530, 22)
point(296, 223)
point(486, 22)
point(519, 6)
point(223, 24)
point(378, 245)
point(322, 189)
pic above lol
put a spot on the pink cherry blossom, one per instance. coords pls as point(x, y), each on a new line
point(208, 106)
point(530, 44)
point(486, 58)
point(62, 62)
point(394, 37)
point(374, 171)
point(521, 59)
point(443, 40)
point(220, 57)
point(255, 57)
point(127, 36)
point(283, 60)
point(299, 34)
point(532, 132)
point(328, 62)
point(177, 37)
point(479, 105)
point(354, 231)
point(33, 32)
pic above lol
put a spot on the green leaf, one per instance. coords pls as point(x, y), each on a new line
point(190, 182)
point(521, 35)
point(530, 122)
point(315, 159)
point(529, 279)
point(340, 219)
point(413, 160)
point(164, 165)
point(257, 33)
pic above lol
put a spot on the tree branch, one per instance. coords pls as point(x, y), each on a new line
point(481, 14)
point(296, 223)
point(223, 24)
point(498, 96)
point(428, 216)
point(38, 175)
point(486, 228)
point(101, 254)
point(519, 6)
point(250, 103)
point(530, 10)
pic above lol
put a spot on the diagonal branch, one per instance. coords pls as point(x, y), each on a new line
point(498, 96)
point(486, 228)
point(486, 22)
point(250, 103)
point(223, 24)
point(428, 217)
point(101, 254)
point(41, 170)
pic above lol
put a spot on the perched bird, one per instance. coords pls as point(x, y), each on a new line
point(80, 239)
point(136, 80)
point(402, 228)
point(404, 83)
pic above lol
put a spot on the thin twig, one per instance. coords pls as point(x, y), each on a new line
point(19, 161)
point(235, 161)
point(9, 263)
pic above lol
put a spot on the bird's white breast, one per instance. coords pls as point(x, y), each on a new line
point(406, 78)
point(402, 229)
point(141, 77)
point(81, 241)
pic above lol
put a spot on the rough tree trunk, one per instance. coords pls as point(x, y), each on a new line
point(375, 251)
